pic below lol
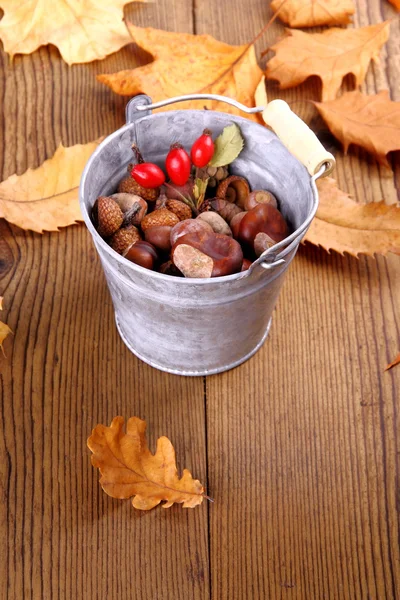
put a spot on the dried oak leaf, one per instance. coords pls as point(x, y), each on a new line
point(394, 363)
point(128, 468)
point(309, 13)
point(343, 225)
point(330, 55)
point(186, 64)
point(46, 198)
point(4, 329)
point(82, 30)
point(372, 122)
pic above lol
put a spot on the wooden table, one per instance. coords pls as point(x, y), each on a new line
point(298, 447)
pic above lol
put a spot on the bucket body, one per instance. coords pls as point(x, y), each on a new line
point(195, 326)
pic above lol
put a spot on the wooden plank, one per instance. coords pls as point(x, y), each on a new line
point(67, 370)
point(303, 450)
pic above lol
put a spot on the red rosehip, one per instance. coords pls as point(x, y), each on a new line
point(202, 150)
point(178, 164)
point(148, 175)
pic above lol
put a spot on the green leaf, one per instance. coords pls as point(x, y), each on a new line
point(228, 146)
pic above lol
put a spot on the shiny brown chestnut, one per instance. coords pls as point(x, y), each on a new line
point(142, 254)
point(260, 197)
point(159, 236)
point(205, 254)
point(218, 224)
point(263, 218)
point(246, 264)
point(188, 226)
point(235, 223)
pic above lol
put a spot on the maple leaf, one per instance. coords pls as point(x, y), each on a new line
point(309, 13)
point(186, 64)
point(372, 122)
point(46, 198)
point(330, 55)
point(343, 225)
point(394, 363)
point(83, 30)
point(128, 468)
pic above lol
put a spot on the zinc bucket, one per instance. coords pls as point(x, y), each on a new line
point(205, 326)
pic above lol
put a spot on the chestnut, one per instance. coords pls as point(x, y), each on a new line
point(168, 268)
point(260, 197)
point(188, 226)
point(235, 222)
point(143, 254)
point(246, 264)
point(226, 209)
point(206, 254)
point(263, 218)
point(159, 236)
point(218, 224)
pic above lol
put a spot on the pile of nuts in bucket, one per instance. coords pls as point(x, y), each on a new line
point(200, 222)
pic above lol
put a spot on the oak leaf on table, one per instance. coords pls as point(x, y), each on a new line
point(395, 362)
point(310, 13)
point(330, 55)
point(46, 198)
point(82, 30)
point(343, 225)
point(372, 122)
point(4, 329)
point(186, 64)
point(128, 468)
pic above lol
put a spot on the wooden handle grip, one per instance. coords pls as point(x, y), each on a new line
point(298, 137)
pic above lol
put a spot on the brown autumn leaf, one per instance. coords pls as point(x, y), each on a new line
point(46, 198)
point(186, 64)
point(309, 13)
point(372, 122)
point(330, 55)
point(394, 363)
point(343, 225)
point(128, 468)
point(82, 30)
point(4, 329)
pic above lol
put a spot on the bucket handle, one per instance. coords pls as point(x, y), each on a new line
point(298, 138)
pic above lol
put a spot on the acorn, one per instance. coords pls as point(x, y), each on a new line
point(124, 238)
point(129, 186)
point(107, 216)
point(234, 189)
point(180, 209)
point(159, 217)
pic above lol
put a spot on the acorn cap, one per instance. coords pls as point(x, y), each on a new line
point(162, 216)
point(124, 238)
point(129, 186)
point(109, 216)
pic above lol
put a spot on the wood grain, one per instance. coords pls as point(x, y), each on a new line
point(298, 447)
point(67, 370)
point(303, 448)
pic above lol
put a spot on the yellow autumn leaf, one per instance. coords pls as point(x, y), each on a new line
point(46, 198)
point(309, 13)
point(343, 225)
point(128, 468)
point(82, 30)
point(4, 329)
point(330, 55)
point(187, 64)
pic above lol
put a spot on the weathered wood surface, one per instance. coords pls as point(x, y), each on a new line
point(299, 446)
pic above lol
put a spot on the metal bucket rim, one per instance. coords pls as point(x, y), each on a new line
point(125, 262)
